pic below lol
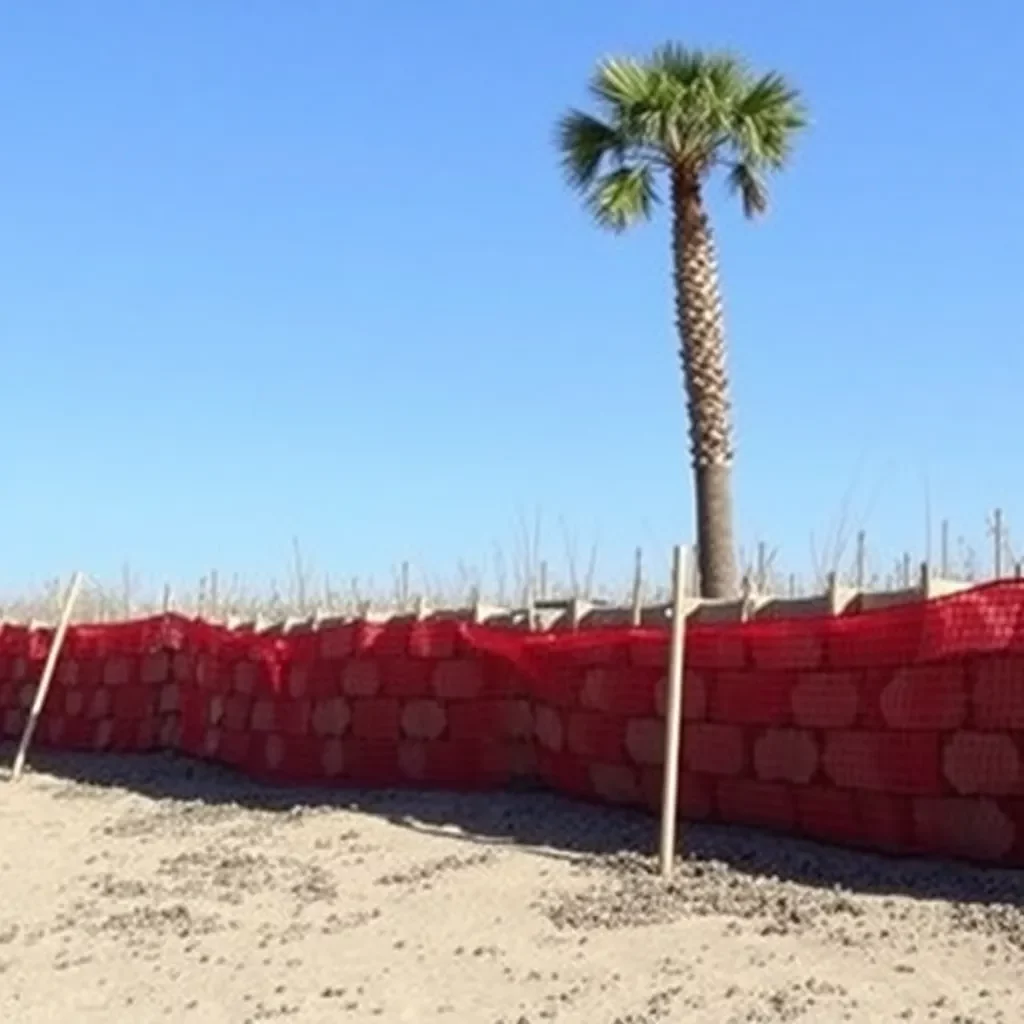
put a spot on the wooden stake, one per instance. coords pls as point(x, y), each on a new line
point(832, 592)
point(47, 677)
point(575, 612)
point(126, 585)
point(673, 719)
point(926, 580)
point(997, 541)
point(530, 601)
point(300, 576)
point(746, 598)
point(403, 594)
point(638, 584)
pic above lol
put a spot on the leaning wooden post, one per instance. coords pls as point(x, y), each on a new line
point(673, 718)
point(44, 682)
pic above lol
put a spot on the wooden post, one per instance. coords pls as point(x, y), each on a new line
point(575, 612)
point(126, 589)
point(673, 719)
point(638, 584)
point(529, 600)
point(832, 592)
point(997, 541)
point(746, 597)
point(44, 682)
point(403, 593)
point(300, 576)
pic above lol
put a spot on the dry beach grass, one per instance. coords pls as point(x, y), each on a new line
point(515, 572)
point(155, 889)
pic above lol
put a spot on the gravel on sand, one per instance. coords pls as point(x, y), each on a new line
point(157, 889)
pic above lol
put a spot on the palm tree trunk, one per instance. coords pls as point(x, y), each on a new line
point(701, 327)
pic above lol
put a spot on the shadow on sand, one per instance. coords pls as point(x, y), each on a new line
point(548, 824)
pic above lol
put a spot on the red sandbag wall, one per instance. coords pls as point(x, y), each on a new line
point(898, 730)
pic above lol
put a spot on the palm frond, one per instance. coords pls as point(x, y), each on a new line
point(622, 197)
point(585, 142)
point(622, 83)
point(745, 181)
point(765, 120)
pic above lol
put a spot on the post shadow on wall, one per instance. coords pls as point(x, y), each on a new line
point(549, 824)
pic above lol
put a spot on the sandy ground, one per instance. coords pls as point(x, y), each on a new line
point(152, 889)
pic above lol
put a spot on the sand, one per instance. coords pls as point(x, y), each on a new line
point(153, 889)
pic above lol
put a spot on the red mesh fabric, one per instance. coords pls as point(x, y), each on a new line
point(898, 729)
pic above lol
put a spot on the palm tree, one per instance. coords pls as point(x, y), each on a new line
point(681, 115)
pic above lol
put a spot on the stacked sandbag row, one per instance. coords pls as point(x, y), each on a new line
point(898, 729)
point(105, 692)
point(409, 705)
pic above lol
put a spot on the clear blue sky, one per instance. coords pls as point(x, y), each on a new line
point(275, 268)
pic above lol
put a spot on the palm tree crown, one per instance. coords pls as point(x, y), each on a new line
point(680, 111)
